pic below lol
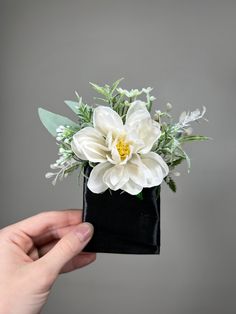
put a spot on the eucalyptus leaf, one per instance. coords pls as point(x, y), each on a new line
point(52, 121)
point(73, 105)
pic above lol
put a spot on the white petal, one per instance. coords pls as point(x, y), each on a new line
point(109, 140)
point(94, 152)
point(137, 112)
point(132, 188)
point(134, 138)
point(116, 177)
point(138, 120)
point(77, 150)
point(149, 131)
point(90, 134)
point(95, 181)
point(89, 144)
point(114, 152)
point(155, 169)
point(105, 119)
point(135, 170)
point(160, 160)
point(111, 160)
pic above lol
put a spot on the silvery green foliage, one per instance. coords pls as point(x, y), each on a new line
point(67, 161)
point(120, 99)
point(170, 144)
point(83, 111)
point(186, 118)
point(52, 121)
point(174, 135)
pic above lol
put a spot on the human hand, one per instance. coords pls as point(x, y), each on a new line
point(34, 251)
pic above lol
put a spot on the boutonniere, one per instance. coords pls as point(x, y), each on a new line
point(122, 146)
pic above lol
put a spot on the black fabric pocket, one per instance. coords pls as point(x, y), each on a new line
point(123, 223)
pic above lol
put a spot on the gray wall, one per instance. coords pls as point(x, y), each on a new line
point(186, 50)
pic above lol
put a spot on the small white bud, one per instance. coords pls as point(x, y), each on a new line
point(188, 131)
point(54, 181)
point(60, 129)
point(176, 173)
point(157, 115)
point(147, 90)
point(53, 166)
point(49, 175)
point(168, 106)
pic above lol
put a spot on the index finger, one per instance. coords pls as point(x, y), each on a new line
point(48, 221)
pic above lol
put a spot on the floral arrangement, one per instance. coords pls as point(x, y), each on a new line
point(127, 146)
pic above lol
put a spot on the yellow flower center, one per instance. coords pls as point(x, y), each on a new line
point(123, 148)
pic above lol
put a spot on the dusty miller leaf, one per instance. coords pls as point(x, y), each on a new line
point(52, 121)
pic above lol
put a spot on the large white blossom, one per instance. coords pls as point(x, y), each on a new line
point(122, 151)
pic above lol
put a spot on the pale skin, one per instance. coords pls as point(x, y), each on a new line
point(34, 251)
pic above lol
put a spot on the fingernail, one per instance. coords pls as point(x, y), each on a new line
point(84, 231)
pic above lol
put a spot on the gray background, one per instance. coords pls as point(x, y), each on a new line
point(186, 50)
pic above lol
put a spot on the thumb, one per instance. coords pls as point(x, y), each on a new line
point(68, 247)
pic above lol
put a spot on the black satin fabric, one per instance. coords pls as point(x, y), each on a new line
point(123, 223)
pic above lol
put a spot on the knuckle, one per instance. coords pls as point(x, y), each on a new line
point(4, 230)
point(6, 233)
point(48, 214)
point(20, 239)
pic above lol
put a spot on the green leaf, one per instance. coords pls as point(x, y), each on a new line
point(176, 162)
point(186, 157)
point(101, 90)
point(140, 195)
point(73, 105)
point(52, 121)
point(85, 113)
point(192, 138)
point(115, 85)
point(171, 183)
point(99, 98)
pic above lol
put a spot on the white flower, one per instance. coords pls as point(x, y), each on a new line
point(122, 151)
point(132, 93)
point(147, 90)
